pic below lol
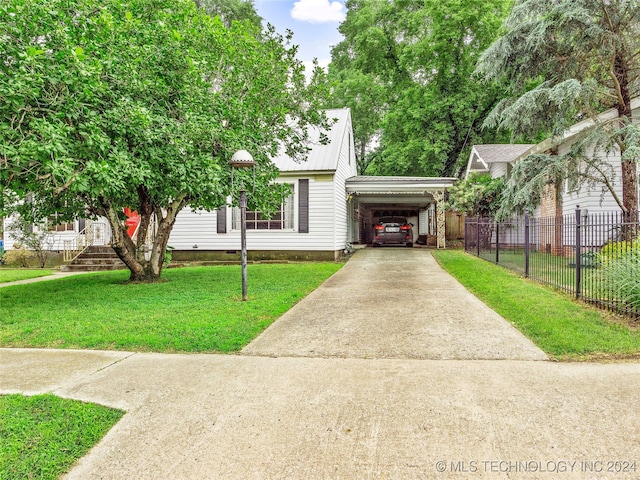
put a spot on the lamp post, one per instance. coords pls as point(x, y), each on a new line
point(242, 159)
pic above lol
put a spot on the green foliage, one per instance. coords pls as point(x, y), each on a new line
point(34, 238)
point(19, 257)
point(620, 271)
point(621, 275)
point(616, 250)
point(567, 62)
point(476, 195)
point(405, 69)
point(43, 435)
point(231, 10)
point(560, 326)
point(113, 104)
point(198, 310)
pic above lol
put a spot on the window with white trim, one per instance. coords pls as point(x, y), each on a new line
point(282, 219)
point(55, 225)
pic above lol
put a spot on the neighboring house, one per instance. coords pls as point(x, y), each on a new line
point(496, 160)
point(492, 158)
point(330, 207)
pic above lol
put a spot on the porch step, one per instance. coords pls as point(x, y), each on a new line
point(95, 258)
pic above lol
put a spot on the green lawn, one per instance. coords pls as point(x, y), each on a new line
point(197, 309)
point(562, 327)
point(13, 275)
point(43, 436)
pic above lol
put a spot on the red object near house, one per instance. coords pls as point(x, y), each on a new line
point(132, 221)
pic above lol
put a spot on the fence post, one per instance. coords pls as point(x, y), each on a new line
point(526, 245)
point(478, 235)
point(497, 242)
point(578, 252)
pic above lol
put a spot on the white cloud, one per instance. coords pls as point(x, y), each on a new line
point(318, 11)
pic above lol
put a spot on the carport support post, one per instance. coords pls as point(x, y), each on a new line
point(441, 219)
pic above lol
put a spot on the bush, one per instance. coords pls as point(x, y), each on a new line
point(19, 258)
point(616, 250)
point(621, 275)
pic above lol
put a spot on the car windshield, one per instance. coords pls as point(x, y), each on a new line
point(398, 220)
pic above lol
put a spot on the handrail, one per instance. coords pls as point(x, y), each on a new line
point(94, 233)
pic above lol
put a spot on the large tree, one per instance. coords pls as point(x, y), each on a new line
point(568, 61)
point(405, 68)
point(231, 10)
point(109, 104)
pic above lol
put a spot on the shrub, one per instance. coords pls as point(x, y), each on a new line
point(616, 250)
point(621, 276)
point(19, 258)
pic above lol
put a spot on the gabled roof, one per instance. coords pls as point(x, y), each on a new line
point(321, 157)
point(575, 130)
point(483, 155)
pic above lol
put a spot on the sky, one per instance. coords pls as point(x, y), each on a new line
point(314, 24)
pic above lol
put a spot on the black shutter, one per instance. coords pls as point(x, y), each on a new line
point(81, 224)
point(303, 205)
point(221, 219)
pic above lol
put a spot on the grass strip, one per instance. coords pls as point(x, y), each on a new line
point(562, 327)
point(196, 309)
point(43, 436)
point(13, 275)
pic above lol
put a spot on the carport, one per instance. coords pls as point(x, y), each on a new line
point(416, 198)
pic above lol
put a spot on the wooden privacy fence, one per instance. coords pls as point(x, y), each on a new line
point(454, 226)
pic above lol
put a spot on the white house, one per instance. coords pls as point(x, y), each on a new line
point(495, 159)
point(330, 207)
point(499, 159)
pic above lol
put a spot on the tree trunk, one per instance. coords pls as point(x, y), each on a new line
point(629, 167)
point(134, 254)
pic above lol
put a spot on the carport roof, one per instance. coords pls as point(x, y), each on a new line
point(415, 191)
point(369, 184)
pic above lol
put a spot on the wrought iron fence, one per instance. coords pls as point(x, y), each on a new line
point(595, 257)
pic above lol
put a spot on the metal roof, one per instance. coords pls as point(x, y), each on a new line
point(320, 157)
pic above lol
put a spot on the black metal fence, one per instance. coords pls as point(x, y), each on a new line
point(595, 257)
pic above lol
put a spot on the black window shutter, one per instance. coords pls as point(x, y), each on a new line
point(82, 223)
point(303, 205)
point(221, 219)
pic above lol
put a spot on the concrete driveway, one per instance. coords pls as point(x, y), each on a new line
point(393, 303)
point(354, 415)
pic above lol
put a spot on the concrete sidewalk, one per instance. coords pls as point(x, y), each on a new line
point(416, 414)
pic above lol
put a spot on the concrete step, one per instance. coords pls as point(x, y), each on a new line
point(97, 261)
point(90, 268)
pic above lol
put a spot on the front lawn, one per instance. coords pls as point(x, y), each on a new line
point(43, 436)
point(559, 325)
point(198, 309)
point(13, 275)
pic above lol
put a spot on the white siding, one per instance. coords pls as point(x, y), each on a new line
point(597, 198)
point(55, 240)
point(498, 169)
point(346, 168)
point(199, 228)
point(593, 199)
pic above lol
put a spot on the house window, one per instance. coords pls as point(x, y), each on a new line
point(282, 219)
point(55, 225)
